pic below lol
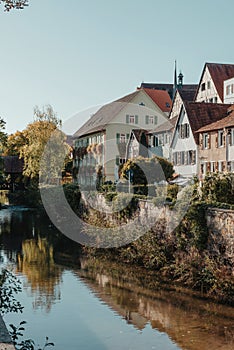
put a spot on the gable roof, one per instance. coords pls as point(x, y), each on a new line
point(219, 72)
point(159, 86)
point(169, 125)
point(201, 114)
point(161, 98)
point(99, 120)
point(187, 92)
point(225, 122)
point(138, 133)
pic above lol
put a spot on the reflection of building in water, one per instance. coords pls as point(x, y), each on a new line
point(37, 264)
point(192, 324)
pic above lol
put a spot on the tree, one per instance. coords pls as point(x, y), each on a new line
point(30, 143)
point(146, 171)
point(14, 4)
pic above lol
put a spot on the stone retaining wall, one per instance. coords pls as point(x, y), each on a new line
point(220, 223)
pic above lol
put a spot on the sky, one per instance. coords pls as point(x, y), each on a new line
point(76, 54)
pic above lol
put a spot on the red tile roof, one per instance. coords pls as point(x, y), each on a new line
point(225, 122)
point(161, 98)
point(201, 114)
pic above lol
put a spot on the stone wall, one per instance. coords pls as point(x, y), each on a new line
point(220, 223)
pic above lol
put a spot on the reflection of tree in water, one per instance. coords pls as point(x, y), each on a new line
point(36, 262)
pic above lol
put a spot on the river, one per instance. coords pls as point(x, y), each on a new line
point(83, 304)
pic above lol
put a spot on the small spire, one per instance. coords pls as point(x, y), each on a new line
point(175, 81)
point(180, 79)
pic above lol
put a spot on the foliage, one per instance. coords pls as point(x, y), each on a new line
point(147, 170)
point(218, 187)
point(192, 230)
point(9, 286)
point(125, 204)
point(30, 144)
point(29, 344)
point(14, 4)
point(172, 191)
point(73, 195)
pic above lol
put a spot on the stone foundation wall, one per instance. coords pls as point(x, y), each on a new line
point(220, 223)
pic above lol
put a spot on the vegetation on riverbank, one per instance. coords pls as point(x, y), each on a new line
point(183, 256)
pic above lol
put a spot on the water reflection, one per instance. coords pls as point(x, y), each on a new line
point(43, 275)
point(31, 244)
point(192, 323)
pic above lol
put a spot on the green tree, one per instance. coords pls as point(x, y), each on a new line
point(31, 142)
point(14, 4)
point(147, 170)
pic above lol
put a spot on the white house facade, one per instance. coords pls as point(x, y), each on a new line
point(228, 90)
point(183, 147)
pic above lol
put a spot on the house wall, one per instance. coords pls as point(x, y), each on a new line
point(228, 90)
point(213, 155)
point(209, 92)
point(119, 126)
point(177, 103)
point(185, 144)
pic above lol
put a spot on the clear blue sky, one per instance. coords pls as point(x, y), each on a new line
point(74, 54)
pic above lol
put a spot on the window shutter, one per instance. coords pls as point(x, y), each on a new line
point(117, 138)
point(187, 130)
point(117, 160)
point(185, 157)
point(146, 119)
point(155, 119)
point(208, 167)
point(201, 140)
point(127, 137)
point(136, 119)
point(208, 140)
point(216, 140)
point(216, 166)
point(193, 157)
point(178, 158)
point(127, 119)
point(224, 140)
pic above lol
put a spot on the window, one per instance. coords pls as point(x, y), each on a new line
point(220, 138)
point(149, 119)
point(215, 99)
point(122, 138)
point(184, 131)
point(229, 89)
point(203, 86)
point(232, 137)
point(212, 167)
point(131, 119)
point(191, 157)
point(120, 160)
point(206, 141)
point(208, 85)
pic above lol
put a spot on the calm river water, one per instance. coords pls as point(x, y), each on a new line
point(92, 306)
